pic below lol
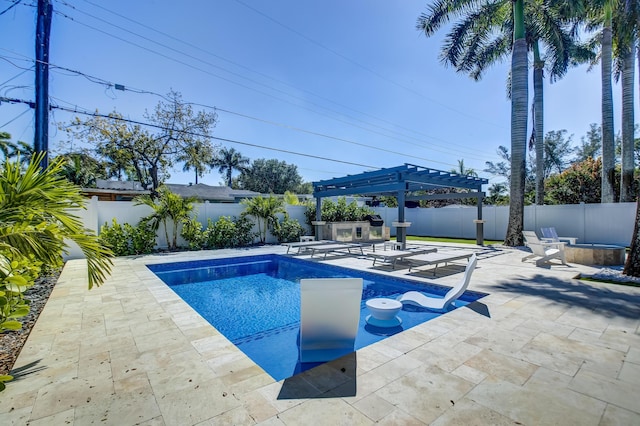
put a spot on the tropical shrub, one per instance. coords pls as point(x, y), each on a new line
point(226, 232)
point(288, 230)
point(339, 211)
point(127, 240)
point(192, 233)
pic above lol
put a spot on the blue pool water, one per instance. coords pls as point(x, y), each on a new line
point(254, 301)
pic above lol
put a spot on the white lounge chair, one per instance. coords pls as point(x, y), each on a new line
point(304, 245)
point(549, 235)
point(546, 251)
point(435, 259)
point(329, 317)
point(392, 256)
point(335, 246)
point(440, 304)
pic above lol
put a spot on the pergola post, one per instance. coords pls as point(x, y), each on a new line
point(401, 231)
point(479, 222)
point(318, 223)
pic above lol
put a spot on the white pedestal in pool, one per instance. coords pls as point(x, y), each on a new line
point(384, 312)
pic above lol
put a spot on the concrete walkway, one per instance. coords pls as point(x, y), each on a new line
point(543, 348)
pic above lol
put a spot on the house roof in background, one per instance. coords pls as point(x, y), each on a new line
point(211, 193)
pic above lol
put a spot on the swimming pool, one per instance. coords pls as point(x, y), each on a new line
point(254, 301)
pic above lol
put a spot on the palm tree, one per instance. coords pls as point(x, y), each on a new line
point(7, 148)
point(265, 211)
point(603, 10)
point(625, 38)
point(229, 160)
point(462, 170)
point(167, 206)
point(487, 33)
point(196, 156)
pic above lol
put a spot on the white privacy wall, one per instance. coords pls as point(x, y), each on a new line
point(611, 223)
point(590, 223)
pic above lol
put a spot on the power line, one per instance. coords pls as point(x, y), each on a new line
point(447, 149)
point(15, 3)
point(110, 84)
point(193, 46)
point(15, 118)
point(365, 68)
point(142, 123)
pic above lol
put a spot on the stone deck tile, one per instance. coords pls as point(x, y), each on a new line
point(542, 348)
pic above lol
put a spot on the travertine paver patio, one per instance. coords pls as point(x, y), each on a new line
point(542, 348)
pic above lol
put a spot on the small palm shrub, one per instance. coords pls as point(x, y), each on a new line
point(265, 211)
point(168, 209)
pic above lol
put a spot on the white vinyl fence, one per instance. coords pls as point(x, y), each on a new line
point(590, 223)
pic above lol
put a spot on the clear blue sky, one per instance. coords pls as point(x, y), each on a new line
point(349, 81)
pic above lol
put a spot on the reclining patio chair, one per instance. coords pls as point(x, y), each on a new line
point(441, 304)
point(546, 251)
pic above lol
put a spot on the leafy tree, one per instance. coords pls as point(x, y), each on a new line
point(498, 194)
point(227, 161)
point(265, 211)
point(270, 176)
point(501, 168)
point(580, 183)
point(304, 188)
point(177, 129)
point(82, 169)
point(557, 148)
point(167, 206)
point(590, 144)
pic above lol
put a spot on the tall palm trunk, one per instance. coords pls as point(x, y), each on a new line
point(538, 121)
point(519, 102)
point(608, 151)
point(628, 126)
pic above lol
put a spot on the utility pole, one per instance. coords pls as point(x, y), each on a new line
point(43, 30)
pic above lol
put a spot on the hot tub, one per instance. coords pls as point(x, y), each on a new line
point(595, 254)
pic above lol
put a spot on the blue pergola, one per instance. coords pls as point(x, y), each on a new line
point(402, 182)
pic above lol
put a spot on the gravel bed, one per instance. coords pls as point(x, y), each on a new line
point(11, 342)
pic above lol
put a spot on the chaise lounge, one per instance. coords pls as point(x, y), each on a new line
point(417, 298)
point(435, 259)
point(393, 256)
